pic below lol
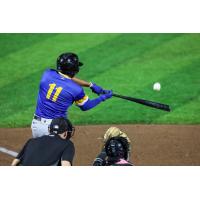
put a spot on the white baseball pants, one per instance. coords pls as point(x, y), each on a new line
point(40, 127)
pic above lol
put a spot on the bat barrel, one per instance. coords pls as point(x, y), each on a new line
point(145, 102)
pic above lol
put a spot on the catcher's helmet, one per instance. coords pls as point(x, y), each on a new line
point(60, 125)
point(117, 147)
point(68, 63)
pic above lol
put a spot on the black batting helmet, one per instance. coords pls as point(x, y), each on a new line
point(68, 63)
point(117, 147)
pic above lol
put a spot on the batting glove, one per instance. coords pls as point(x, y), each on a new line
point(107, 95)
point(96, 89)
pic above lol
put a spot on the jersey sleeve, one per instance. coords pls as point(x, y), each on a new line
point(81, 98)
point(68, 153)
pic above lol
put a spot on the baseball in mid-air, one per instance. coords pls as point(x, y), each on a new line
point(156, 86)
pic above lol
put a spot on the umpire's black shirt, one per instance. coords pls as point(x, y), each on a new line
point(46, 151)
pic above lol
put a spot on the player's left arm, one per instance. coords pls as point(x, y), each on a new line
point(84, 103)
point(95, 88)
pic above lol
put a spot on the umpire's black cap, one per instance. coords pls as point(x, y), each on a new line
point(60, 125)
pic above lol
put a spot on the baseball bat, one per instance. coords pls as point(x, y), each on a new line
point(145, 102)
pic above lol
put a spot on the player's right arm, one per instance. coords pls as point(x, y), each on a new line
point(84, 103)
point(95, 88)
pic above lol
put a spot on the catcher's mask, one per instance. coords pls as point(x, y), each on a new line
point(68, 63)
point(60, 125)
point(117, 147)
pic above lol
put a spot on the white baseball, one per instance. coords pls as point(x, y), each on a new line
point(157, 86)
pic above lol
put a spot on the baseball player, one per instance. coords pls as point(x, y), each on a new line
point(58, 91)
point(36, 151)
point(116, 149)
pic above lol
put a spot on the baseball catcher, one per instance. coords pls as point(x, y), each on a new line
point(116, 149)
point(116, 132)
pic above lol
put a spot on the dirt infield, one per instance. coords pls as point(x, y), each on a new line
point(151, 144)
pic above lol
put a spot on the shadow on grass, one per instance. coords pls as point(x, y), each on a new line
point(12, 42)
point(120, 50)
point(19, 95)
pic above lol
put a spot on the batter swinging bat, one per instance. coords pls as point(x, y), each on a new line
point(145, 102)
point(141, 101)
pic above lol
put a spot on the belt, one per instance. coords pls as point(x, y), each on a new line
point(37, 118)
point(41, 119)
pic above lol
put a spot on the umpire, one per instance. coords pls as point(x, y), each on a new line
point(49, 150)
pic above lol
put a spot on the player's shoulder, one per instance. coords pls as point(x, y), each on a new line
point(48, 72)
point(76, 88)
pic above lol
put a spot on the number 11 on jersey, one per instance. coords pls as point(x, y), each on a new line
point(51, 88)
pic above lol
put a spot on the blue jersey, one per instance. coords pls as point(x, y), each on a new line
point(57, 92)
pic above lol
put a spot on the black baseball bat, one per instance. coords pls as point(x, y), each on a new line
point(145, 102)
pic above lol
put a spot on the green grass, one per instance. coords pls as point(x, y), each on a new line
point(127, 63)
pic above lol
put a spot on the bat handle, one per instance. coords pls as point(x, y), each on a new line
point(104, 92)
point(116, 95)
